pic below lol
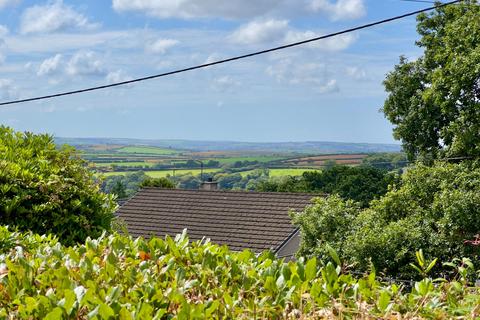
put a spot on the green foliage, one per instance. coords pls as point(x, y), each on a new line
point(158, 183)
point(434, 101)
point(361, 184)
point(387, 161)
point(119, 190)
point(435, 209)
point(47, 190)
point(130, 183)
point(119, 277)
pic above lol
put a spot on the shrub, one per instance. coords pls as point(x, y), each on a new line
point(49, 190)
point(120, 277)
point(158, 183)
point(434, 209)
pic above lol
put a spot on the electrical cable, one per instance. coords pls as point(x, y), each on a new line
point(248, 55)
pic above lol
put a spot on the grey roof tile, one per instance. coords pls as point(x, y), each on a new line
point(242, 220)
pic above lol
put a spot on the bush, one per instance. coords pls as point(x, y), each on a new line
point(120, 277)
point(434, 209)
point(47, 190)
point(158, 183)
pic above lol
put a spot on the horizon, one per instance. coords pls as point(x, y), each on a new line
point(330, 90)
point(226, 141)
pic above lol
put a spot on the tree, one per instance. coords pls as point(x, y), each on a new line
point(434, 101)
point(360, 184)
point(434, 209)
point(119, 190)
point(158, 183)
point(49, 190)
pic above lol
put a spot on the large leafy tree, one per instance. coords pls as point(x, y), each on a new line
point(435, 208)
point(434, 101)
point(49, 190)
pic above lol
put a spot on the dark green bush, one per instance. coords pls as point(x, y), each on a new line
point(434, 209)
point(158, 183)
point(49, 190)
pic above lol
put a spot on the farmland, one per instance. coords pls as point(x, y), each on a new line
point(164, 173)
point(118, 159)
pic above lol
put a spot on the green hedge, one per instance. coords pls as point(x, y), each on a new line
point(117, 277)
point(49, 190)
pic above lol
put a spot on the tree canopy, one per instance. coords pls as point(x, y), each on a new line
point(49, 190)
point(434, 209)
point(361, 184)
point(434, 101)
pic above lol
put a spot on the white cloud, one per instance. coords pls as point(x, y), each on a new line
point(260, 32)
point(82, 63)
point(357, 73)
point(52, 17)
point(269, 31)
point(341, 9)
point(329, 87)
point(3, 31)
point(7, 89)
point(338, 43)
point(225, 83)
point(117, 76)
point(6, 3)
point(186, 9)
point(51, 65)
point(160, 46)
point(315, 75)
point(85, 63)
point(3, 46)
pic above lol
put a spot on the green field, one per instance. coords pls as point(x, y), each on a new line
point(147, 150)
point(124, 164)
point(162, 173)
point(281, 172)
point(261, 159)
point(288, 172)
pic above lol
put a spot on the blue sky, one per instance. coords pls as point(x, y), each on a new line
point(327, 91)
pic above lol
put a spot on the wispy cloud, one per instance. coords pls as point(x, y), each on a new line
point(53, 17)
point(341, 9)
point(160, 46)
point(266, 31)
point(7, 89)
point(6, 3)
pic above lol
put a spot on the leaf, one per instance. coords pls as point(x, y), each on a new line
point(144, 255)
point(383, 300)
point(55, 314)
point(69, 300)
point(431, 265)
point(212, 308)
point(105, 311)
point(124, 314)
point(311, 269)
point(333, 255)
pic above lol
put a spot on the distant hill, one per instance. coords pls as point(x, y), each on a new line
point(308, 147)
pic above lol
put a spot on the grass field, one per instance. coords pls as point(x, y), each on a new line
point(282, 172)
point(147, 150)
point(261, 159)
point(162, 173)
point(125, 164)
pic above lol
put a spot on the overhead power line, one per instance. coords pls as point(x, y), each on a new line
point(248, 55)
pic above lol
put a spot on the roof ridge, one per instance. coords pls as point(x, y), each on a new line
point(246, 192)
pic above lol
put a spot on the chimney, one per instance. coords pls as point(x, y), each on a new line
point(209, 185)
